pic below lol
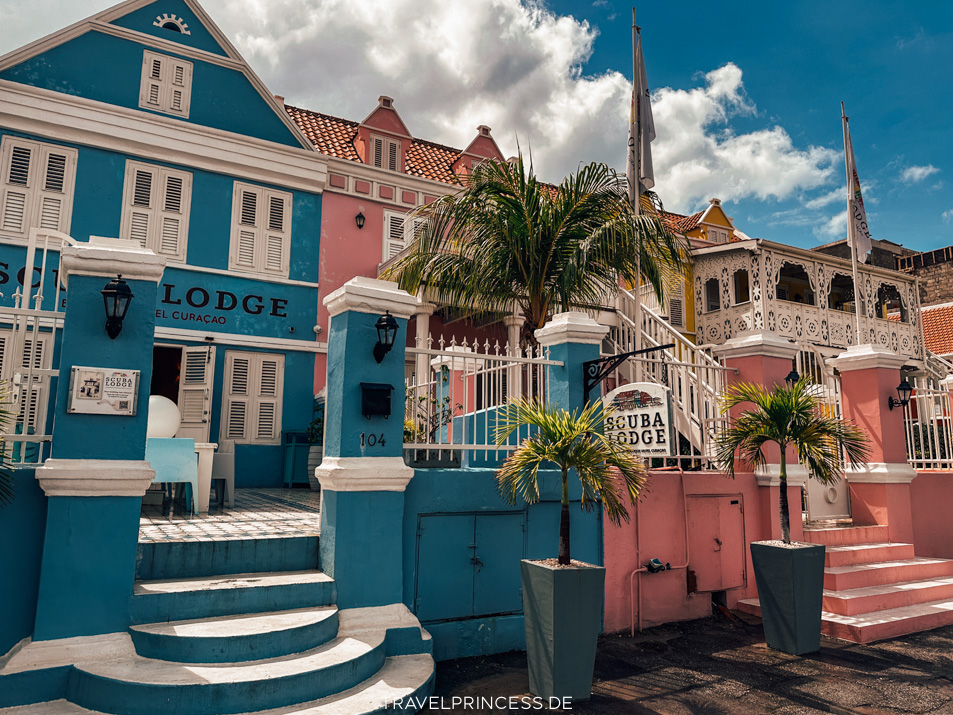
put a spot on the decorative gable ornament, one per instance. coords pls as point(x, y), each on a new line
point(172, 22)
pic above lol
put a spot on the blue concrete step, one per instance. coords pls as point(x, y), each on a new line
point(234, 639)
point(142, 686)
point(189, 559)
point(185, 599)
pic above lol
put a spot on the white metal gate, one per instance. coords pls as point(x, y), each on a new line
point(28, 332)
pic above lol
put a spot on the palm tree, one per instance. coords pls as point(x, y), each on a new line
point(788, 416)
point(506, 239)
point(606, 467)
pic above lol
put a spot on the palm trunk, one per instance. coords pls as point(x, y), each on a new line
point(564, 556)
point(785, 516)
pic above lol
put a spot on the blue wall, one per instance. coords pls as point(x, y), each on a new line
point(22, 525)
point(437, 553)
point(109, 69)
point(141, 21)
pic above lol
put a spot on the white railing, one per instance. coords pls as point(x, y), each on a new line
point(27, 335)
point(928, 426)
point(453, 411)
point(695, 377)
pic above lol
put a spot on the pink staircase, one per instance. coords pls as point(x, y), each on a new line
point(874, 589)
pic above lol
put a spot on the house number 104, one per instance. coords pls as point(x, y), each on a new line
point(372, 440)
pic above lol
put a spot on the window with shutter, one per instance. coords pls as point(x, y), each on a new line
point(385, 153)
point(166, 84)
point(253, 396)
point(261, 230)
point(399, 232)
point(156, 208)
point(36, 186)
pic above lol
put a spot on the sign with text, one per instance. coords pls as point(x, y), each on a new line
point(642, 417)
point(103, 391)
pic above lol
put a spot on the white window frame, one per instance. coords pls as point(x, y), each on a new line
point(261, 236)
point(166, 84)
point(384, 153)
point(395, 224)
point(243, 402)
point(39, 194)
point(150, 213)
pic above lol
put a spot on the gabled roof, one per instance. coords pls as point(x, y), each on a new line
point(938, 328)
point(679, 223)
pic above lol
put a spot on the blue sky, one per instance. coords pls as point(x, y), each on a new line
point(746, 95)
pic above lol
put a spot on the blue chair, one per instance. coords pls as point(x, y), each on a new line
point(175, 462)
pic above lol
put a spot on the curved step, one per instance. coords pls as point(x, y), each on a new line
point(142, 686)
point(237, 638)
point(404, 682)
point(183, 599)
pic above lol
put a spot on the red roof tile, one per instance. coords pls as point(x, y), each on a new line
point(680, 223)
point(938, 328)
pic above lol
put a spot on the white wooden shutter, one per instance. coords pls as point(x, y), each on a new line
point(36, 186)
point(253, 397)
point(385, 153)
point(246, 247)
point(676, 306)
point(377, 152)
point(166, 84)
point(195, 391)
point(156, 208)
point(261, 230)
point(393, 234)
point(238, 398)
point(392, 149)
point(276, 243)
point(269, 397)
point(18, 180)
point(140, 203)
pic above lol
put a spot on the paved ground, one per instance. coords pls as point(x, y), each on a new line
point(716, 666)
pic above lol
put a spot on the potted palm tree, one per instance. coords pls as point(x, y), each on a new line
point(562, 598)
point(790, 576)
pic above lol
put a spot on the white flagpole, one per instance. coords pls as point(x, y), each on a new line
point(851, 238)
point(636, 191)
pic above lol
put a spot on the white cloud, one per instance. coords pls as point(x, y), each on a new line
point(833, 228)
point(918, 173)
point(827, 199)
point(947, 216)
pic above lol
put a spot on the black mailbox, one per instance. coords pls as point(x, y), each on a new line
point(375, 399)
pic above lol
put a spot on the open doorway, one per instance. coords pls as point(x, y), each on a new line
point(184, 375)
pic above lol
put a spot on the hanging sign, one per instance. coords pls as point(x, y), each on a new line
point(103, 391)
point(642, 418)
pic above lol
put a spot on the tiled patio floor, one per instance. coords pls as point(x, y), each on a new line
point(257, 514)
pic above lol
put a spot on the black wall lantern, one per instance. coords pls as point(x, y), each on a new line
point(386, 332)
point(359, 220)
point(116, 298)
point(904, 391)
point(792, 377)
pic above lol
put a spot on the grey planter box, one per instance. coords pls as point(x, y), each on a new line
point(563, 612)
point(791, 591)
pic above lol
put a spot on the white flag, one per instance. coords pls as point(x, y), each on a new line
point(858, 235)
point(641, 107)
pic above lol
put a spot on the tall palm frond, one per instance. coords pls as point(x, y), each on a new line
point(607, 469)
point(788, 416)
point(508, 239)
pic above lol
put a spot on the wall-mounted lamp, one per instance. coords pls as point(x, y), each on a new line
point(116, 298)
point(359, 220)
point(792, 378)
point(386, 332)
point(904, 391)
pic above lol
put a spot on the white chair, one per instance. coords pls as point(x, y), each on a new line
point(223, 470)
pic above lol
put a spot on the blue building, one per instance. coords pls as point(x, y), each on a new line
point(144, 123)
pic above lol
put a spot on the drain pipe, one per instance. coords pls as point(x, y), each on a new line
point(638, 553)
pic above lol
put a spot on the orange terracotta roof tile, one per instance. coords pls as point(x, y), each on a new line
point(679, 222)
point(330, 135)
point(938, 328)
point(431, 161)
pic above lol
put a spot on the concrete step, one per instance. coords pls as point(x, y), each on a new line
point(142, 686)
point(850, 554)
point(403, 683)
point(189, 559)
point(232, 639)
point(190, 598)
point(847, 535)
point(53, 707)
point(893, 595)
point(870, 627)
point(841, 578)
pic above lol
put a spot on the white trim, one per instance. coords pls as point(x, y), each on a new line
point(571, 327)
point(164, 45)
point(370, 295)
point(756, 344)
point(95, 477)
point(252, 341)
point(253, 276)
point(364, 474)
point(65, 118)
point(867, 357)
point(880, 473)
point(770, 475)
point(110, 257)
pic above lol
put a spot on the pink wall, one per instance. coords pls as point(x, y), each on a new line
point(864, 394)
point(662, 535)
point(931, 495)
